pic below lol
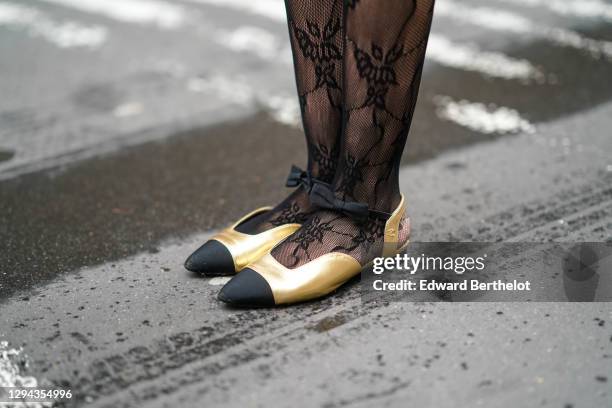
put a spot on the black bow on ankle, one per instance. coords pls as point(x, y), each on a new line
point(322, 196)
point(299, 177)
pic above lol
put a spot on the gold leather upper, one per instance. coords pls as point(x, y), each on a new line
point(247, 248)
point(314, 279)
point(323, 274)
point(392, 227)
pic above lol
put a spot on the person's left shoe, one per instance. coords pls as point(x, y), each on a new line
point(266, 282)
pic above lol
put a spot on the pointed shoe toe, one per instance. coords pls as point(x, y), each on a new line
point(267, 282)
point(247, 289)
point(211, 259)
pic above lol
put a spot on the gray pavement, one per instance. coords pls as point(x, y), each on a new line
point(142, 331)
point(119, 160)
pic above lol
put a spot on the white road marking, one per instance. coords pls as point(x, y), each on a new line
point(506, 21)
point(273, 9)
point(487, 119)
point(234, 90)
point(128, 109)
point(256, 41)
point(261, 42)
point(595, 9)
point(154, 12)
point(469, 58)
point(440, 49)
point(283, 108)
point(66, 34)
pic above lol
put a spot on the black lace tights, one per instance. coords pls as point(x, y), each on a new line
point(383, 53)
point(358, 68)
point(316, 33)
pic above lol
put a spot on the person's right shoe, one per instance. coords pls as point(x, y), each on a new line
point(233, 248)
point(228, 251)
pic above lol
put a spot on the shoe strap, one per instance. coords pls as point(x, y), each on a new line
point(392, 228)
point(298, 177)
point(322, 196)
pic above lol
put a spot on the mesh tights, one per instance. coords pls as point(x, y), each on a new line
point(382, 60)
point(316, 34)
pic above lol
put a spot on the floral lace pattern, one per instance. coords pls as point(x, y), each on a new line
point(327, 231)
point(352, 173)
point(318, 45)
point(380, 103)
point(382, 62)
point(313, 231)
point(372, 230)
point(378, 69)
point(325, 159)
point(291, 214)
point(316, 34)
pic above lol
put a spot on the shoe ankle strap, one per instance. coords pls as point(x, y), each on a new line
point(298, 177)
point(322, 196)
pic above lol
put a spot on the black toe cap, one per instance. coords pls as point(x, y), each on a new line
point(247, 289)
point(212, 259)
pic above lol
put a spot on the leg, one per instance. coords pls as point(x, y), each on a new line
point(385, 50)
point(351, 223)
point(316, 33)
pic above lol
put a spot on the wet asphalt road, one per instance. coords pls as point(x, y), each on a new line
point(116, 162)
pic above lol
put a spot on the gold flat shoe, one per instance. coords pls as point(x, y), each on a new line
point(228, 251)
point(266, 282)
